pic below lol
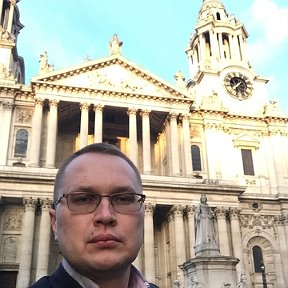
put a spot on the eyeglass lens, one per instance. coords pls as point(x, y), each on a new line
point(88, 202)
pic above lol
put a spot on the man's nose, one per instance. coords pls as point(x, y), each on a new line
point(104, 213)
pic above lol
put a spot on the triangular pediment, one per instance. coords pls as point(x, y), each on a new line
point(112, 74)
point(246, 140)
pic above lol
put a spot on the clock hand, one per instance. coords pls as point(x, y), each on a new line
point(236, 85)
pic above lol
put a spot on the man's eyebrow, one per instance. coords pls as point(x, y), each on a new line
point(83, 189)
point(122, 189)
point(116, 190)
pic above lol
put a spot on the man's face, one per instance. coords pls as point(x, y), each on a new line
point(103, 240)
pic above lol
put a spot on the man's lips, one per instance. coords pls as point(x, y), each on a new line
point(105, 240)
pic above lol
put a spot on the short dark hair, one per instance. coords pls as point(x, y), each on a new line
point(101, 148)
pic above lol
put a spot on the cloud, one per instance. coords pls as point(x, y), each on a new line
point(271, 23)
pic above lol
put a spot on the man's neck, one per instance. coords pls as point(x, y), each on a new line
point(111, 279)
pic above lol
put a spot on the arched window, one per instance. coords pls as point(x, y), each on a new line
point(196, 158)
point(218, 17)
point(258, 258)
point(21, 143)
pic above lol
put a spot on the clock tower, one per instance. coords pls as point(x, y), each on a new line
point(219, 64)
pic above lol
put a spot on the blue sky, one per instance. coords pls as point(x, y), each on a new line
point(155, 34)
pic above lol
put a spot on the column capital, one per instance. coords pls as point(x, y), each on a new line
point(145, 112)
point(285, 220)
point(173, 115)
point(8, 105)
point(234, 213)
point(178, 210)
point(29, 203)
point(132, 111)
point(39, 101)
point(53, 102)
point(46, 203)
point(98, 107)
point(84, 106)
point(13, 2)
point(149, 208)
point(185, 117)
point(190, 210)
point(221, 212)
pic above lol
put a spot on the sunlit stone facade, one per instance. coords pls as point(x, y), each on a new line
point(216, 133)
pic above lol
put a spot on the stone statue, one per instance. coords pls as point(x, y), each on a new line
point(204, 223)
point(180, 79)
point(176, 284)
point(115, 45)
point(242, 283)
point(194, 283)
point(44, 66)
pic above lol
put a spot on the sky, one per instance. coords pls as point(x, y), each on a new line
point(155, 34)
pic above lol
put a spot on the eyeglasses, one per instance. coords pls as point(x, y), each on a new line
point(85, 203)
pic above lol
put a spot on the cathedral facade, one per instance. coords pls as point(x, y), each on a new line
point(216, 133)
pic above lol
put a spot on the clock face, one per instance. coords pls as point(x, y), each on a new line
point(238, 85)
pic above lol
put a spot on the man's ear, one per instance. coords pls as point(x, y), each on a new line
point(53, 221)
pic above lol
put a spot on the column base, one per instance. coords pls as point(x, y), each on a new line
point(33, 165)
point(50, 166)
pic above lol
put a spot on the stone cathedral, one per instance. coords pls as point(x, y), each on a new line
point(213, 132)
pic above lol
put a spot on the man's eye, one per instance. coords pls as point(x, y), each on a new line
point(124, 199)
point(82, 199)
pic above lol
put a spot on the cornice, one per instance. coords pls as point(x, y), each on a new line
point(63, 89)
point(25, 176)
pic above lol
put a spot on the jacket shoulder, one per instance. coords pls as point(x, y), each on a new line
point(42, 283)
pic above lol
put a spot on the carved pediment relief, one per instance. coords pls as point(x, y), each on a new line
point(113, 77)
point(112, 74)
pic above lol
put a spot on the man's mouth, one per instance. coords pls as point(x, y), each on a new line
point(105, 240)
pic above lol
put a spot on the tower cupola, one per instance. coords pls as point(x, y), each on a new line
point(219, 40)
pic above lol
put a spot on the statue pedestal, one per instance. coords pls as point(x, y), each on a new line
point(211, 272)
point(207, 250)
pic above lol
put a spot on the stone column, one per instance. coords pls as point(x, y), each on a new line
point(11, 15)
point(281, 262)
point(191, 229)
point(133, 145)
point(213, 41)
point(84, 124)
point(1, 10)
point(52, 134)
point(98, 123)
point(174, 144)
point(242, 47)
point(221, 46)
point(236, 239)
point(44, 239)
point(202, 48)
point(23, 278)
point(149, 258)
point(221, 213)
point(146, 141)
point(187, 145)
point(5, 131)
point(36, 133)
point(286, 227)
point(137, 261)
point(179, 234)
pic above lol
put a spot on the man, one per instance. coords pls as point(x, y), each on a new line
point(98, 221)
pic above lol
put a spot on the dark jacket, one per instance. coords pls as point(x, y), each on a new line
point(61, 279)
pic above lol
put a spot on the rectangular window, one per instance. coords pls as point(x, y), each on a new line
point(247, 161)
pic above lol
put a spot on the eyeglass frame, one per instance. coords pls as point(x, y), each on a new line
point(66, 196)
